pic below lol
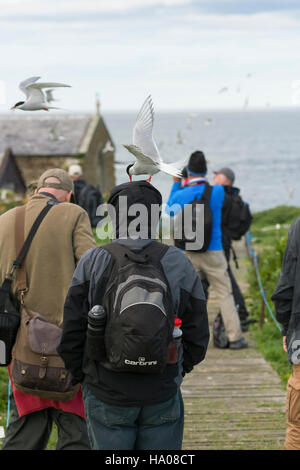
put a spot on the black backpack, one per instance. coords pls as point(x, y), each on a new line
point(90, 198)
point(238, 217)
point(140, 313)
point(208, 221)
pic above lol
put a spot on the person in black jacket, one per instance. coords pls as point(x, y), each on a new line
point(86, 195)
point(127, 410)
point(286, 298)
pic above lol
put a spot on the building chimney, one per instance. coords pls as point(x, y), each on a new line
point(97, 105)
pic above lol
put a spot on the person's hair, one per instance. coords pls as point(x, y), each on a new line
point(197, 163)
point(31, 187)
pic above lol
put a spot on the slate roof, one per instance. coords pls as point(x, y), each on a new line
point(50, 135)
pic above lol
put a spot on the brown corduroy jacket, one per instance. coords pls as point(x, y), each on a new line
point(62, 238)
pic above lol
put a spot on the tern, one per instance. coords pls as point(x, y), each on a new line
point(108, 147)
point(35, 97)
point(144, 148)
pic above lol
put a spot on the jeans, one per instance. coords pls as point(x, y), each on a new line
point(149, 427)
point(32, 431)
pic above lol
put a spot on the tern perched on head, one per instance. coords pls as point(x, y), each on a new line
point(35, 97)
point(148, 159)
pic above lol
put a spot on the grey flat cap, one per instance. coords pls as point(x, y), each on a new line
point(228, 173)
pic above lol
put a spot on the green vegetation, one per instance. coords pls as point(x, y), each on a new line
point(269, 243)
point(273, 224)
point(8, 200)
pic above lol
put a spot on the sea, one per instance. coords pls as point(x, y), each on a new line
point(262, 147)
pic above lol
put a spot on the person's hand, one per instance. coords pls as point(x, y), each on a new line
point(176, 179)
point(284, 344)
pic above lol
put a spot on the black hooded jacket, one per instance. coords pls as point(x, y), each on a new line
point(88, 289)
point(286, 296)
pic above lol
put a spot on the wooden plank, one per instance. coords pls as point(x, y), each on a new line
point(234, 399)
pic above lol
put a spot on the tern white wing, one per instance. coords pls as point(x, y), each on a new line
point(36, 94)
point(23, 85)
point(49, 96)
point(47, 85)
point(140, 156)
point(143, 131)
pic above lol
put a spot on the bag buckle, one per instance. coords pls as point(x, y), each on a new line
point(43, 368)
point(22, 295)
point(12, 271)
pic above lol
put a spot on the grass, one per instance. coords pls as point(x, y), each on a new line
point(269, 342)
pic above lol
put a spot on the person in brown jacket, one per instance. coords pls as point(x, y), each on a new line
point(63, 237)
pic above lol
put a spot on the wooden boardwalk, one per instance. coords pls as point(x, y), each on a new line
point(234, 399)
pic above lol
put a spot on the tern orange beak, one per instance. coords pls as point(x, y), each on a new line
point(13, 107)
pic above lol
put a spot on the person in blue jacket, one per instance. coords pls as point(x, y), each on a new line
point(211, 262)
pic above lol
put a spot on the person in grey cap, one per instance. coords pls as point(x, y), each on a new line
point(224, 176)
point(62, 238)
point(235, 212)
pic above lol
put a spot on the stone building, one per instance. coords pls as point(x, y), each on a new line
point(42, 141)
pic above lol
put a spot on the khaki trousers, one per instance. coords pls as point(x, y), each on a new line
point(292, 439)
point(214, 265)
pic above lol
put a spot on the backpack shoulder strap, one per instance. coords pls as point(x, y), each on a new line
point(206, 193)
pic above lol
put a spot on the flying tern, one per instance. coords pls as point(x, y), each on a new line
point(35, 97)
point(144, 148)
point(108, 147)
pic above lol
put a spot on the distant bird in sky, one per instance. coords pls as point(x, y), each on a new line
point(208, 121)
point(222, 90)
point(246, 103)
point(54, 133)
point(144, 148)
point(179, 138)
point(108, 147)
point(35, 97)
point(190, 120)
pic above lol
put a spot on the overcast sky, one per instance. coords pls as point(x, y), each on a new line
point(183, 52)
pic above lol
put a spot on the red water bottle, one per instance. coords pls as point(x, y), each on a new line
point(173, 351)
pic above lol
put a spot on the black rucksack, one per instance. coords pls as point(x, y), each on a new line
point(90, 198)
point(208, 221)
point(140, 313)
point(238, 217)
